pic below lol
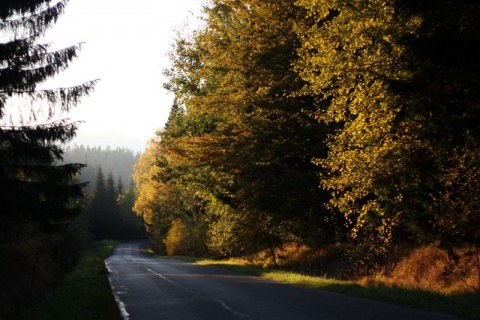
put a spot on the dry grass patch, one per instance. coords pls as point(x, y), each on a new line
point(300, 258)
point(427, 268)
point(431, 268)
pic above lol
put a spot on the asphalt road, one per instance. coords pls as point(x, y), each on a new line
point(147, 288)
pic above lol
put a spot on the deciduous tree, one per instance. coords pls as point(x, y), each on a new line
point(400, 82)
point(257, 137)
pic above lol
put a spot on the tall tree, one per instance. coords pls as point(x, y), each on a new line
point(104, 211)
point(159, 200)
point(400, 82)
point(256, 138)
point(444, 106)
point(32, 186)
point(119, 187)
point(115, 224)
point(133, 225)
point(98, 208)
point(37, 196)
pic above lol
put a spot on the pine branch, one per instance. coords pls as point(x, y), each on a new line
point(27, 71)
point(66, 97)
point(31, 23)
point(21, 7)
point(25, 55)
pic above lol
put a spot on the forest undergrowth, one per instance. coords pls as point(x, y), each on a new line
point(426, 268)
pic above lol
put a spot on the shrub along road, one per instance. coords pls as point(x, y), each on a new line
point(148, 288)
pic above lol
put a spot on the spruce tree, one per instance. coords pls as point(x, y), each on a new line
point(104, 214)
point(38, 200)
point(33, 188)
point(97, 207)
point(112, 212)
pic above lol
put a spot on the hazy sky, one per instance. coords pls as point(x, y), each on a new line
point(126, 42)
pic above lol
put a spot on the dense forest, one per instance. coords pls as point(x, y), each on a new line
point(109, 189)
point(352, 124)
point(349, 129)
point(119, 162)
point(108, 209)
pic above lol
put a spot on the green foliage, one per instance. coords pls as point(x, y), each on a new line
point(185, 238)
point(400, 104)
point(237, 138)
point(32, 186)
point(230, 234)
point(318, 122)
point(132, 225)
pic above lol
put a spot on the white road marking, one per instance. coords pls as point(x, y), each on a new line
point(123, 311)
point(223, 304)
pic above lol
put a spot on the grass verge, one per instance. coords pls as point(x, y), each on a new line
point(465, 305)
point(84, 294)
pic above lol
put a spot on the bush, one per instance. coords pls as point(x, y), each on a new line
point(185, 239)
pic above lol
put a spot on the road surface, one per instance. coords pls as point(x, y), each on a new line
point(148, 288)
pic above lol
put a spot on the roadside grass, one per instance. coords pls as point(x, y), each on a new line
point(84, 294)
point(465, 305)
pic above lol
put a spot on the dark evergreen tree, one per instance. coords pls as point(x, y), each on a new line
point(106, 216)
point(133, 225)
point(37, 196)
point(113, 226)
point(32, 187)
point(96, 211)
point(119, 186)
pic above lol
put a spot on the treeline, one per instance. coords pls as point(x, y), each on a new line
point(118, 161)
point(319, 122)
point(109, 190)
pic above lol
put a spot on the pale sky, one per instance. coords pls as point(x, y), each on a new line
point(126, 43)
